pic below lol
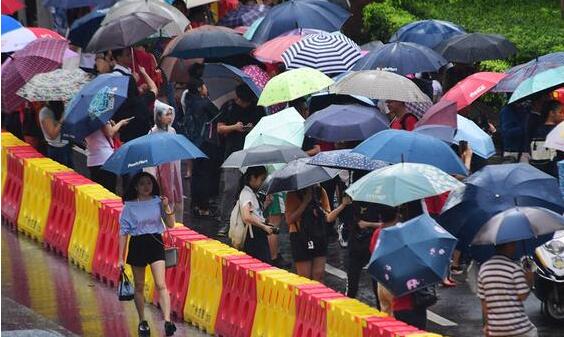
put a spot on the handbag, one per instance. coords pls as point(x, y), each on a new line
point(238, 230)
point(425, 297)
point(125, 289)
point(170, 253)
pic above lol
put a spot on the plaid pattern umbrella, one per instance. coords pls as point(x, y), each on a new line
point(57, 85)
point(21, 37)
point(329, 53)
point(245, 15)
point(40, 56)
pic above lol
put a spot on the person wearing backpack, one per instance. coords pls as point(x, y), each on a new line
point(543, 158)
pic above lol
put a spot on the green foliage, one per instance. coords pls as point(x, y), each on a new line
point(383, 19)
point(498, 66)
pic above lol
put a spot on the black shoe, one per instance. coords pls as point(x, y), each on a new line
point(170, 328)
point(144, 329)
point(223, 231)
point(280, 262)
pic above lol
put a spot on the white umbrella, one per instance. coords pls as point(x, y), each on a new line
point(555, 139)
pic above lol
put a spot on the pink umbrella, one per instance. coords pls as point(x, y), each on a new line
point(39, 56)
point(21, 37)
point(271, 51)
point(441, 113)
point(472, 87)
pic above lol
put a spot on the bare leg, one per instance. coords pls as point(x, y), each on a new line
point(273, 239)
point(139, 280)
point(318, 268)
point(304, 268)
point(158, 270)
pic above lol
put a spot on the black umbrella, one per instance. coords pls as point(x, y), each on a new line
point(372, 45)
point(296, 175)
point(475, 47)
point(263, 155)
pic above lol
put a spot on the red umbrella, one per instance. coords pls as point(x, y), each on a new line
point(39, 56)
point(11, 6)
point(472, 87)
point(441, 113)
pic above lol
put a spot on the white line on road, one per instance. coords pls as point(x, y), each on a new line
point(335, 271)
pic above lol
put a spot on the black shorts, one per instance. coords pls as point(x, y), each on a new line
point(145, 249)
point(301, 251)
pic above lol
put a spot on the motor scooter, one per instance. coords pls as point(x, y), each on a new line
point(549, 277)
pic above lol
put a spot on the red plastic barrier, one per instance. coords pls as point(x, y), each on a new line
point(382, 326)
point(104, 265)
point(239, 296)
point(12, 194)
point(311, 314)
point(62, 210)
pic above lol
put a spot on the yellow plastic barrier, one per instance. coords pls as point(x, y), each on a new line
point(6, 141)
point(86, 225)
point(423, 334)
point(206, 282)
point(36, 195)
point(149, 290)
point(275, 315)
point(346, 317)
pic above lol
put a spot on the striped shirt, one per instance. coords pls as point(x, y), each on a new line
point(500, 281)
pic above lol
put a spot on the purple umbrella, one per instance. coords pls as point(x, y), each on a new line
point(244, 15)
point(521, 72)
point(442, 113)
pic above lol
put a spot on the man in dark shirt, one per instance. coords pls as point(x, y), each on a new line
point(541, 157)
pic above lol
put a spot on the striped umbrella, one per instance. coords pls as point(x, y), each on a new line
point(331, 53)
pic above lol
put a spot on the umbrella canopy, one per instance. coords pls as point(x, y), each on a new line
point(147, 151)
point(428, 33)
point(346, 160)
point(11, 6)
point(271, 51)
point(330, 53)
point(476, 47)
point(126, 31)
point(549, 79)
point(293, 84)
point(56, 85)
point(222, 79)
point(518, 223)
point(480, 142)
point(9, 24)
point(555, 139)
point(296, 175)
point(176, 69)
point(251, 30)
point(21, 37)
point(66, 4)
point(442, 132)
point(411, 255)
point(372, 45)
point(263, 155)
point(472, 87)
point(82, 30)
point(244, 15)
point(317, 14)
point(94, 105)
point(208, 42)
point(521, 72)
point(377, 84)
point(443, 112)
point(282, 128)
point(402, 58)
point(338, 123)
point(400, 183)
point(39, 56)
point(396, 146)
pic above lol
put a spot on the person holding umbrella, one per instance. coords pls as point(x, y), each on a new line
point(541, 157)
point(50, 120)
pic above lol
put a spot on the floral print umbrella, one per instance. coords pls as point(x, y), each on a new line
point(57, 85)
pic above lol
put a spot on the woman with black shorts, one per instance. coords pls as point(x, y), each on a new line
point(142, 219)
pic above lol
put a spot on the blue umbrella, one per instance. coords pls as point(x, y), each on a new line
point(442, 132)
point(151, 150)
point(94, 105)
point(9, 24)
point(480, 142)
point(347, 160)
point(396, 146)
point(84, 28)
point(339, 123)
point(66, 4)
point(222, 79)
point(411, 255)
point(402, 58)
point(428, 33)
point(317, 14)
point(521, 72)
point(252, 29)
point(244, 15)
point(547, 80)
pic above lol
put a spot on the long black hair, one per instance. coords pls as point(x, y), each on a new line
point(253, 171)
point(131, 192)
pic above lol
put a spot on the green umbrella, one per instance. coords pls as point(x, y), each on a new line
point(551, 78)
point(293, 84)
point(282, 128)
point(400, 183)
point(252, 29)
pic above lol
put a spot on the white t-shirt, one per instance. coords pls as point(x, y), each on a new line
point(248, 196)
point(44, 114)
point(99, 148)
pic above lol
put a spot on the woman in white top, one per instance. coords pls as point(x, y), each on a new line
point(51, 120)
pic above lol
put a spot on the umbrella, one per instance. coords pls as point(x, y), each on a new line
point(57, 85)
point(402, 58)
point(222, 79)
point(317, 14)
point(338, 123)
point(372, 45)
point(518, 223)
point(282, 128)
point(347, 160)
point(94, 105)
point(126, 31)
point(11, 6)
point(472, 87)
point(401, 183)
point(555, 139)
point(442, 132)
point(176, 69)
point(259, 76)
point(396, 146)
point(476, 47)
point(443, 112)
point(293, 84)
point(9, 24)
point(546, 80)
point(330, 53)
point(480, 142)
point(82, 30)
point(244, 15)
point(271, 51)
point(176, 24)
point(428, 33)
point(252, 29)
point(263, 155)
point(147, 151)
point(39, 56)
point(297, 175)
point(21, 37)
point(208, 42)
point(67, 4)
point(377, 84)
point(411, 255)
point(520, 73)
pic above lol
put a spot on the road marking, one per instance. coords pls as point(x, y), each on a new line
point(80, 150)
point(433, 317)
